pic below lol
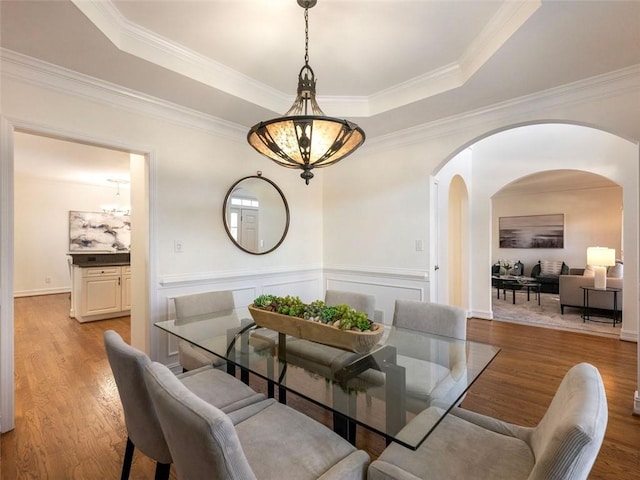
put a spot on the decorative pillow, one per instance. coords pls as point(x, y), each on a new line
point(615, 271)
point(589, 272)
point(548, 267)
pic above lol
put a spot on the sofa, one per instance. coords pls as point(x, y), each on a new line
point(547, 274)
point(571, 295)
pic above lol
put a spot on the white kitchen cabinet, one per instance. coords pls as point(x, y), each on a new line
point(100, 292)
point(126, 288)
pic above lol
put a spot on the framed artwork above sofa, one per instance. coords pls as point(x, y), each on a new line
point(532, 231)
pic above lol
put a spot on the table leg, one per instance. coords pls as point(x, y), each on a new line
point(345, 402)
point(514, 295)
point(585, 305)
point(395, 392)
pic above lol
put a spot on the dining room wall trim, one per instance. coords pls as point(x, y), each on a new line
point(309, 283)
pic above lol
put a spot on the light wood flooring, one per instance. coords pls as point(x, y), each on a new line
point(69, 422)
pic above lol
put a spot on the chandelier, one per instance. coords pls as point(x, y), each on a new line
point(305, 137)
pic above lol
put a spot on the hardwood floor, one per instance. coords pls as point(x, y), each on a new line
point(69, 422)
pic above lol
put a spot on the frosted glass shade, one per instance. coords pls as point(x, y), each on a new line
point(305, 141)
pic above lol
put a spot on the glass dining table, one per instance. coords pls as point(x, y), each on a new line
point(381, 390)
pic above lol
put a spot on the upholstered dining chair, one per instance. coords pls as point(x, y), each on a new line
point(563, 446)
point(435, 318)
point(359, 301)
point(194, 307)
point(273, 442)
point(144, 432)
point(439, 376)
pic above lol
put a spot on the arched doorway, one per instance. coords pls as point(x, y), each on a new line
point(457, 247)
point(493, 161)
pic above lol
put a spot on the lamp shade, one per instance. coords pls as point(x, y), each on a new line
point(601, 256)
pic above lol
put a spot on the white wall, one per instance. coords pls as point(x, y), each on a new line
point(41, 229)
point(592, 217)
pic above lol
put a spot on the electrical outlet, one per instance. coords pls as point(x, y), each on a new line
point(47, 279)
point(419, 245)
point(178, 247)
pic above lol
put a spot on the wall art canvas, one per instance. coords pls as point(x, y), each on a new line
point(532, 231)
point(98, 231)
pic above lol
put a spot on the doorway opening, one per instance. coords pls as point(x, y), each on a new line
point(140, 171)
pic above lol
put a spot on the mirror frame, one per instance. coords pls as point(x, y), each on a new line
point(224, 214)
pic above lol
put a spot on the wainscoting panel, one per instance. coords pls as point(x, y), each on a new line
point(305, 283)
point(309, 285)
point(386, 286)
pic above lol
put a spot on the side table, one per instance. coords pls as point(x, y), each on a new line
point(587, 314)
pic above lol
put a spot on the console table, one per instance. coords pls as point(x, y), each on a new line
point(587, 314)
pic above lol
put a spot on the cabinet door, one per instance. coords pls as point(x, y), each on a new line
point(126, 292)
point(101, 295)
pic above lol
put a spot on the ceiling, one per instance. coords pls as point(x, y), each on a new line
point(387, 65)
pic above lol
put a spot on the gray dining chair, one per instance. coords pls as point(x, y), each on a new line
point(437, 375)
point(434, 318)
point(273, 442)
point(143, 429)
point(359, 301)
point(196, 307)
point(563, 446)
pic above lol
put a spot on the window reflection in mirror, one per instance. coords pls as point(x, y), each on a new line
point(256, 215)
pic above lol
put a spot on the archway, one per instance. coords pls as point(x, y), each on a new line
point(501, 157)
point(458, 245)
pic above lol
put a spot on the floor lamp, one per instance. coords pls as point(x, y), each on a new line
point(600, 258)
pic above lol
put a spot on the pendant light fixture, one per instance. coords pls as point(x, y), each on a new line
point(305, 137)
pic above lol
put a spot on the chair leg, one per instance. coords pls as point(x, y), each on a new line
point(128, 458)
point(162, 471)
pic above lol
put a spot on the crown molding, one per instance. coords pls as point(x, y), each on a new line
point(507, 20)
point(33, 71)
point(131, 38)
point(36, 72)
point(140, 42)
point(519, 110)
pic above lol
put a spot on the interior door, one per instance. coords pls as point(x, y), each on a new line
point(249, 226)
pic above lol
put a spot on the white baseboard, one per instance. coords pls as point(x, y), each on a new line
point(43, 291)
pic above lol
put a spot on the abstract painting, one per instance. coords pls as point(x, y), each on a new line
point(98, 231)
point(532, 231)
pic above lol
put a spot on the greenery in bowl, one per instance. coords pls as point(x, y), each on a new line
point(340, 316)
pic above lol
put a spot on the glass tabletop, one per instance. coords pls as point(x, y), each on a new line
point(382, 390)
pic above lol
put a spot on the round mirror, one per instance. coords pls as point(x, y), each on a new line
point(256, 215)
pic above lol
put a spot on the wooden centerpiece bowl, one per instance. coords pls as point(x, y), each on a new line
point(351, 340)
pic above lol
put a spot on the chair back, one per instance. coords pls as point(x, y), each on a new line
point(567, 440)
point(128, 364)
point(194, 307)
point(445, 320)
point(201, 438)
point(359, 301)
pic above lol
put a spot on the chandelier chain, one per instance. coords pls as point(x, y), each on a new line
point(306, 36)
